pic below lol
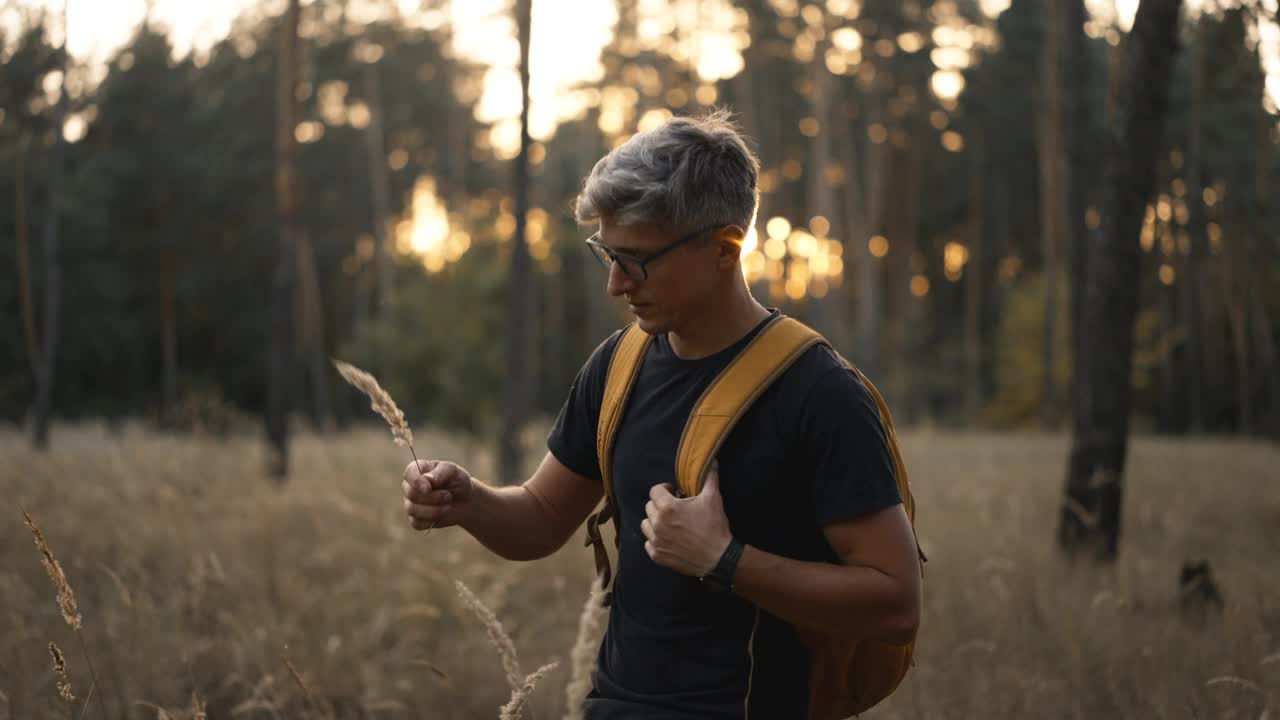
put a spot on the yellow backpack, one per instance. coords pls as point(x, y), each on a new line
point(847, 675)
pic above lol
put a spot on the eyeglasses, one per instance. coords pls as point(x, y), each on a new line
point(634, 266)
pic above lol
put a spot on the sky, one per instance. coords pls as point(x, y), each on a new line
point(484, 32)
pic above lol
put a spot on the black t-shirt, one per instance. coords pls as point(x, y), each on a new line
point(810, 451)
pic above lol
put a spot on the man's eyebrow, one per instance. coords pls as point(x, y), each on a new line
point(628, 249)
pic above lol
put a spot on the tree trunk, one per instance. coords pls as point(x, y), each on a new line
point(910, 321)
point(1078, 166)
point(975, 276)
point(1167, 407)
point(280, 357)
point(1265, 342)
point(1262, 336)
point(510, 450)
point(375, 145)
point(863, 201)
point(1090, 516)
point(360, 282)
point(310, 319)
point(22, 254)
point(1052, 223)
point(169, 341)
point(42, 410)
point(1237, 314)
point(1193, 283)
point(826, 310)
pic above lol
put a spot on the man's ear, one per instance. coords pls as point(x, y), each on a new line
point(729, 243)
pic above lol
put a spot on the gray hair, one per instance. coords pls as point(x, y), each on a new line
point(689, 173)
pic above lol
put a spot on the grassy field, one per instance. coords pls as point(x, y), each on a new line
point(193, 572)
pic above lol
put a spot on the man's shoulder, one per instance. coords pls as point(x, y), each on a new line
point(821, 382)
point(602, 355)
point(820, 365)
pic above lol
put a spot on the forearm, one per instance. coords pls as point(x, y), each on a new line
point(857, 600)
point(510, 522)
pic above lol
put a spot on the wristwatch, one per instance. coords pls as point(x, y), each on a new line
point(720, 578)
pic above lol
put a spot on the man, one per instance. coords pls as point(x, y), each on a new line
point(804, 485)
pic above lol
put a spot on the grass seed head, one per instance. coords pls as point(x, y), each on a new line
point(66, 596)
point(380, 401)
point(60, 671)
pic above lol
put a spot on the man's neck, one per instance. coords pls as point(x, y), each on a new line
point(716, 330)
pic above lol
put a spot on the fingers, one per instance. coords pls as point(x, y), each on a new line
point(426, 513)
point(646, 527)
point(711, 483)
point(418, 495)
point(661, 494)
point(419, 468)
point(422, 511)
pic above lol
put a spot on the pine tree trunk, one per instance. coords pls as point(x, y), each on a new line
point(974, 277)
point(375, 150)
point(43, 407)
point(1078, 166)
point(827, 312)
point(169, 341)
point(280, 357)
point(1090, 517)
point(311, 336)
point(22, 254)
point(1193, 266)
point(862, 200)
point(515, 405)
point(1049, 146)
point(1262, 335)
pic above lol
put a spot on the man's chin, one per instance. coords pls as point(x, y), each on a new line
point(650, 325)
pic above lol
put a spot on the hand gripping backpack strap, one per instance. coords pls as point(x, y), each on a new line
point(762, 361)
point(847, 676)
point(621, 376)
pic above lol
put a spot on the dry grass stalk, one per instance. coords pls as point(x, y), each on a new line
point(66, 596)
point(380, 399)
point(497, 636)
point(66, 603)
point(198, 711)
point(383, 404)
point(433, 668)
point(60, 672)
point(1237, 682)
point(582, 658)
point(161, 713)
point(297, 679)
point(520, 695)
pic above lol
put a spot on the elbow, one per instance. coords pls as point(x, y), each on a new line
point(902, 625)
point(899, 619)
point(901, 628)
point(530, 551)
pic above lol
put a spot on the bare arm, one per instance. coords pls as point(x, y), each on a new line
point(875, 594)
point(518, 523)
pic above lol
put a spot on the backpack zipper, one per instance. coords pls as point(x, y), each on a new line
point(751, 664)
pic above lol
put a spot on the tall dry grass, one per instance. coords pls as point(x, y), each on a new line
point(196, 576)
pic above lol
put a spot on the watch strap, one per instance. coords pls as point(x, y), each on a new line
point(721, 576)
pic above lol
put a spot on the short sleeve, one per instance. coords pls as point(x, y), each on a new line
point(572, 439)
point(846, 449)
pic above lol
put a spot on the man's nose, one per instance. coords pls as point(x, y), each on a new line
point(620, 282)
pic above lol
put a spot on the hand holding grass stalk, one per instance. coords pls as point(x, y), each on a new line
point(381, 403)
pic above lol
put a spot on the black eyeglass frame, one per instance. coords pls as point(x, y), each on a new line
point(608, 256)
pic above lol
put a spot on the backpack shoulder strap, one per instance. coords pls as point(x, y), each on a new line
point(764, 359)
point(623, 368)
point(621, 376)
